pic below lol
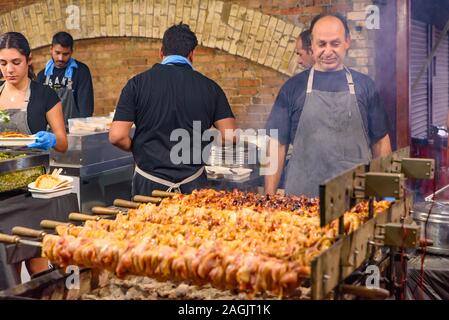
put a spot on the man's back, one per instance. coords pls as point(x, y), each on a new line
point(161, 100)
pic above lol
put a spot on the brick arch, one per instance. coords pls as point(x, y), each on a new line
point(247, 33)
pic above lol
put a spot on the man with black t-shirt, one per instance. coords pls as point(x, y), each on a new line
point(168, 98)
point(70, 78)
point(331, 114)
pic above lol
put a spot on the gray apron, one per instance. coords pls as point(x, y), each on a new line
point(18, 118)
point(330, 139)
point(69, 108)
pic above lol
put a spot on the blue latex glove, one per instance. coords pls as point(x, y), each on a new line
point(44, 140)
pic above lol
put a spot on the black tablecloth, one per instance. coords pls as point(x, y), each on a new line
point(435, 280)
point(23, 210)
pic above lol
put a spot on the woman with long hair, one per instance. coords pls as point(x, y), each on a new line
point(31, 107)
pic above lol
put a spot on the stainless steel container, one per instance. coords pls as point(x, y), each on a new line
point(101, 172)
point(437, 225)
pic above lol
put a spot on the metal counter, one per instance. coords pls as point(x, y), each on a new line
point(101, 171)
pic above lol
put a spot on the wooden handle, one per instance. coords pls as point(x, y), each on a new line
point(373, 294)
point(146, 199)
point(27, 232)
point(103, 210)
point(126, 204)
point(52, 224)
point(75, 216)
point(6, 238)
point(163, 194)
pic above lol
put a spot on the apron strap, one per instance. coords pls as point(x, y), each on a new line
point(310, 81)
point(350, 81)
point(171, 186)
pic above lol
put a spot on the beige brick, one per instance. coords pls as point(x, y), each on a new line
point(149, 20)
point(249, 46)
point(265, 20)
point(204, 4)
point(128, 13)
point(135, 26)
point(296, 32)
point(220, 36)
point(122, 21)
point(357, 53)
point(214, 30)
point(24, 16)
point(164, 18)
point(234, 10)
point(219, 5)
point(289, 51)
point(269, 61)
point(356, 15)
point(115, 12)
point(103, 12)
point(256, 22)
point(179, 10)
point(3, 24)
point(200, 24)
point(156, 18)
point(186, 11)
point(359, 6)
point(142, 18)
point(84, 33)
point(195, 10)
point(171, 18)
point(57, 9)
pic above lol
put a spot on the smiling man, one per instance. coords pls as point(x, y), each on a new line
point(70, 78)
point(331, 114)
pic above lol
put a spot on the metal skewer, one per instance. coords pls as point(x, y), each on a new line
point(6, 238)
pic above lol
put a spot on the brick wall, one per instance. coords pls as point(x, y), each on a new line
point(250, 78)
point(8, 5)
point(250, 88)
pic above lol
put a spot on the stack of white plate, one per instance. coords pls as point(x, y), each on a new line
point(58, 191)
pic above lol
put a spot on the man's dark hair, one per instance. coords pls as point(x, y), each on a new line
point(305, 40)
point(64, 39)
point(178, 40)
point(339, 16)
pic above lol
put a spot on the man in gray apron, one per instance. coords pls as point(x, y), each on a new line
point(71, 79)
point(69, 108)
point(331, 134)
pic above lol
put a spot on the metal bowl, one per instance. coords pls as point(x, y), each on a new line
point(437, 225)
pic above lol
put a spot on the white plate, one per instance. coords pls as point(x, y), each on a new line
point(43, 195)
point(32, 186)
point(227, 171)
point(16, 142)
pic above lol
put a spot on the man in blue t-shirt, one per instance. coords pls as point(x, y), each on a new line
point(330, 114)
